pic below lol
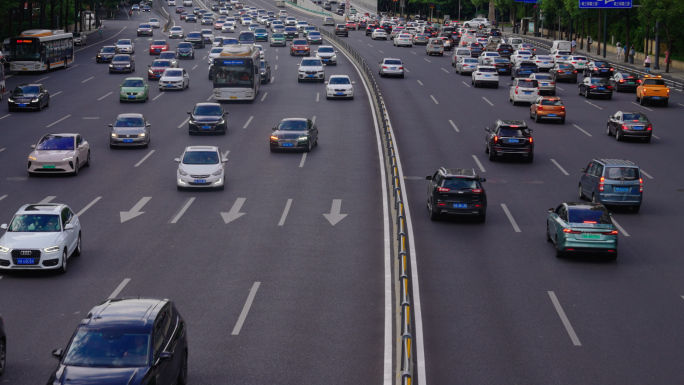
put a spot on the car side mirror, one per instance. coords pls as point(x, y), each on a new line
point(148, 125)
point(225, 113)
point(189, 112)
point(69, 226)
point(583, 170)
point(177, 160)
point(224, 160)
point(165, 357)
point(3, 226)
point(487, 129)
point(275, 128)
point(550, 210)
point(58, 353)
point(33, 146)
point(429, 177)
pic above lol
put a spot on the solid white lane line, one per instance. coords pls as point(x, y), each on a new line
point(318, 96)
point(560, 88)
point(194, 66)
point(185, 121)
point(434, 100)
point(182, 210)
point(453, 125)
point(90, 78)
point(248, 121)
point(414, 53)
point(445, 70)
point(272, 79)
point(119, 288)
point(52, 124)
point(427, 60)
point(210, 97)
point(559, 167)
point(301, 163)
point(510, 218)
point(56, 93)
point(419, 82)
point(158, 96)
point(47, 199)
point(466, 84)
point(144, 158)
point(88, 206)
point(313, 119)
point(478, 163)
point(284, 216)
point(4, 196)
point(626, 234)
point(487, 100)
point(588, 102)
point(580, 128)
point(245, 309)
point(41, 79)
point(264, 97)
point(105, 96)
point(645, 173)
point(5, 116)
point(564, 319)
point(645, 108)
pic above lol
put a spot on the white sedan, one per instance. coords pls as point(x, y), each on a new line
point(487, 58)
point(154, 23)
point(544, 62)
point(228, 27)
point(521, 55)
point(466, 65)
point(174, 79)
point(403, 39)
point(201, 167)
point(379, 33)
point(578, 61)
point(59, 153)
point(339, 86)
point(40, 236)
point(214, 53)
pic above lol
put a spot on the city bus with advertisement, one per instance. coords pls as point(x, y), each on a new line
point(38, 50)
point(236, 73)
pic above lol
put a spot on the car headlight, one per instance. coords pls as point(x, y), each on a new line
point(51, 249)
point(10, 100)
point(333, 57)
point(217, 172)
point(182, 172)
point(113, 135)
point(141, 135)
point(303, 138)
point(111, 65)
point(32, 158)
point(4, 249)
point(150, 72)
point(34, 100)
point(69, 158)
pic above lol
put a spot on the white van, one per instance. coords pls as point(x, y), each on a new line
point(561, 45)
point(516, 42)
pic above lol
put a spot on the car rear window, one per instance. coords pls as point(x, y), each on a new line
point(566, 66)
point(398, 62)
point(460, 183)
point(551, 102)
point(635, 118)
point(592, 215)
point(513, 132)
point(599, 81)
point(528, 83)
point(543, 77)
point(622, 173)
point(485, 69)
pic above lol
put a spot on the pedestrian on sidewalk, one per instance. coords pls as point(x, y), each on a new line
point(573, 45)
point(589, 41)
point(647, 64)
point(632, 53)
point(619, 51)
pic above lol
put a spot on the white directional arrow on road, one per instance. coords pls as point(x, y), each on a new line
point(334, 217)
point(234, 212)
point(135, 211)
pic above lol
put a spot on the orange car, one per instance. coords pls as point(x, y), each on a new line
point(653, 90)
point(548, 107)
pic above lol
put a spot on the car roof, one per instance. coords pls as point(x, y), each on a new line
point(30, 84)
point(201, 148)
point(584, 205)
point(134, 78)
point(616, 162)
point(130, 115)
point(458, 172)
point(34, 208)
point(339, 76)
point(207, 104)
point(126, 312)
point(294, 119)
point(503, 122)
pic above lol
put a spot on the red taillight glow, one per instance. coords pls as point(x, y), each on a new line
point(601, 183)
point(641, 185)
point(496, 139)
point(476, 191)
point(624, 127)
point(589, 222)
point(562, 108)
point(622, 81)
point(614, 232)
point(443, 189)
point(568, 231)
point(649, 128)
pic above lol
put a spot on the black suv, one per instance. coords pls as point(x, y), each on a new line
point(509, 137)
point(341, 29)
point(456, 191)
point(126, 341)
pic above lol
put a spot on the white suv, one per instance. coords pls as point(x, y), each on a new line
point(311, 69)
point(485, 76)
point(523, 90)
point(40, 236)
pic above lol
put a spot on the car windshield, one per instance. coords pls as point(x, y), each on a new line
point(311, 62)
point(161, 63)
point(326, 49)
point(469, 60)
point(513, 132)
point(208, 111)
point(339, 81)
point(108, 348)
point(176, 29)
point(622, 173)
point(460, 183)
point(593, 215)
point(108, 50)
point(298, 42)
point(129, 122)
point(32, 223)
point(145, 26)
point(290, 29)
point(63, 143)
point(599, 81)
point(635, 118)
point(20, 90)
point(293, 125)
point(185, 45)
point(216, 50)
point(260, 30)
point(153, 20)
point(133, 83)
point(123, 42)
point(167, 55)
point(551, 102)
point(173, 73)
point(159, 42)
point(194, 35)
point(314, 34)
point(201, 157)
point(122, 58)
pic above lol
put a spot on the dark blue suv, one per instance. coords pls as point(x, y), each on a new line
point(613, 182)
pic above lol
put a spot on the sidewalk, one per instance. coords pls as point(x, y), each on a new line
point(674, 78)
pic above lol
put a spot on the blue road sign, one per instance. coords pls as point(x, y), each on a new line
point(584, 4)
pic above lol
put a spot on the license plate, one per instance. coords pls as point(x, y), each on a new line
point(630, 83)
point(131, 96)
point(26, 261)
point(233, 97)
point(169, 85)
point(501, 70)
point(656, 97)
point(287, 144)
point(602, 88)
point(552, 114)
point(513, 140)
point(48, 166)
point(546, 62)
point(528, 92)
point(310, 76)
point(340, 94)
point(487, 76)
point(206, 127)
point(621, 189)
point(119, 68)
point(638, 127)
point(544, 84)
point(591, 236)
point(22, 105)
point(200, 181)
point(128, 140)
point(460, 205)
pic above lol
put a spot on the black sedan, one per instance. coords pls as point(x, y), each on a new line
point(105, 54)
point(28, 97)
point(294, 134)
point(126, 341)
point(476, 49)
point(598, 86)
point(564, 72)
point(503, 66)
point(598, 68)
point(265, 72)
point(524, 70)
point(509, 137)
point(623, 81)
point(629, 124)
point(207, 117)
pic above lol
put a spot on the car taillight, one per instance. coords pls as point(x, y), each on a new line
point(562, 108)
point(401, 68)
point(575, 71)
point(384, 67)
point(540, 108)
point(592, 87)
point(496, 139)
point(568, 231)
point(476, 191)
point(610, 87)
point(614, 232)
point(622, 81)
point(649, 128)
point(443, 189)
point(641, 185)
point(530, 139)
point(601, 183)
point(624, 127)
point(516, 89)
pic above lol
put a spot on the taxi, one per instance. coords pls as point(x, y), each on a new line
point(653, 90)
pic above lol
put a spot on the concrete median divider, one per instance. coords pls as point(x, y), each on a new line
point(158, 6)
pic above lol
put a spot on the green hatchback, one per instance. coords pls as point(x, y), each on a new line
point(582, 227)
point(278, 39)
point(134, 90)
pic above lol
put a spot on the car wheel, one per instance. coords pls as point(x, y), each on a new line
point(562, 121)
point(40, 105)
point(309, 145)
point(641, 101)
point(87, 163)
point(76, 168)
point(586, 94)
point(79, 245)
point(559, 253)
point(537, 119)
point(530, 158)
point(666, 102)
point(618, 135)
point(63, 268)
point(580, 192)
point(548, 234)
point(608, 130)
point(482, 217)
point(610, 97)
point(434, 216)
point(492, 154)
point(593, 198)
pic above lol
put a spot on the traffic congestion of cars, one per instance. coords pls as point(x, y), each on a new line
point(140, 339)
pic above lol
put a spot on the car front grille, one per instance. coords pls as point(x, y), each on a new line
point(199, 176)
point(16, 254)
point(311, 72)
point(128, 136)
point(342, 90)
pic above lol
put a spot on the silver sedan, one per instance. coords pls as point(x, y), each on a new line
point(391, 67)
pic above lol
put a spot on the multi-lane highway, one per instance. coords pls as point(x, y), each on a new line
point(497, 306)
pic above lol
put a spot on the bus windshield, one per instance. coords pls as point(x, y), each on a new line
point(24, 49)
point(233, 73)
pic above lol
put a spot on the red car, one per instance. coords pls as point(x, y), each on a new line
point(351, 25)
point(182, 15)
point(300, 47)
point(158, 46)
point(157, 68)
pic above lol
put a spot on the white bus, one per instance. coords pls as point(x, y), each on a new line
point(236, 73)
point(41, 50)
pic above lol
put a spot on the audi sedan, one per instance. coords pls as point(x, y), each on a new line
point(294, 134)
point(582, 227)
point(623, 81)
point(157, 68)
point(122, 63)
point(145, 30)
point(105, 54)
point(40, 236)
point(59, 153)
point(158, 46)
point(28, 96)
point(201, 167)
